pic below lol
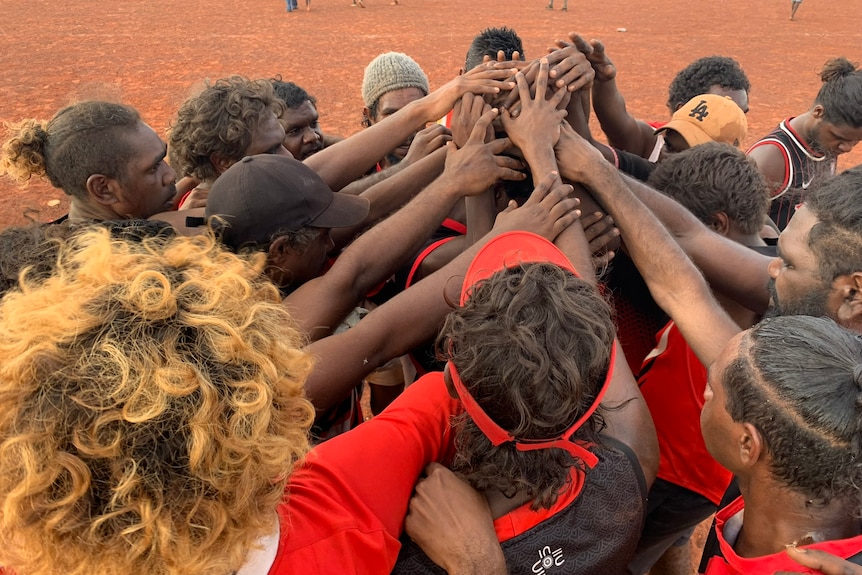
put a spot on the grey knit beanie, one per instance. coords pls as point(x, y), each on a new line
point(391, 71)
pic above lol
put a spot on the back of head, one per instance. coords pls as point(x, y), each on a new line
point(841, 93)
point(800, 384)
point(292, 95)
point(80, 140)
point(220, 120)
point(489, 42)
point(532, 346)
point(836, 239)
point(388, 72)
point(151, 409)
point(712, 178)
point(701, 75)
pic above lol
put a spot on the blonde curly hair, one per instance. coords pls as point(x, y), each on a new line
point(151, 409)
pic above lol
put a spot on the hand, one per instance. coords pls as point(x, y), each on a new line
point(491, 78)
point(571, 68)
point(548, 211)
point(426, 141)
point(452, 524)
point(465, 114)
point(196, 199)
point(476, 166)
point(602, 236)
point(538, 124)
point(577, 158)
point(824, 562)
point(594, 50)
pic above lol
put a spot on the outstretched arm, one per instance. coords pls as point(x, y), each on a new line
point(347, 160)
point(621, 128)
point(676, 285)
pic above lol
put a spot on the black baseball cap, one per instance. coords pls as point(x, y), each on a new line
point(260, 195)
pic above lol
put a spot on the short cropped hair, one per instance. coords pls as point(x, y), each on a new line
point(490, 41)
point(798, 380)
point(80, 140)
point(836, 238)
point(532, 345)
point(292, 95)
point(715, 177)
point(699, 76)
point(841, 93)
point(219, 120)
point(151, 409)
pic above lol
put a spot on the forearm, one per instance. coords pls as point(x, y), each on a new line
point(620, 127)
point(388, 194)
point(379, 252)
point(342, 163)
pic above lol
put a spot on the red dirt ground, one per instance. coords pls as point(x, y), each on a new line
point(152, 54)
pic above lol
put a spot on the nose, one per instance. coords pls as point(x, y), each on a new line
point(170, 174)
point(845, 147)
point(310, 136)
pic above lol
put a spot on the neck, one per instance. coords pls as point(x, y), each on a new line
point(776, 517)
point(803, 124)
point(84, 211)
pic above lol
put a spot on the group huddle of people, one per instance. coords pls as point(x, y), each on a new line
point(472, 338)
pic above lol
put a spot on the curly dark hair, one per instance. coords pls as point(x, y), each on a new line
point(841, 93)
point(490, 41)
point(219, 120)
point(798, 380)
point(836, 239)
point(715, 177)
point(699, 76)
point(532, 345)
point(80, 140)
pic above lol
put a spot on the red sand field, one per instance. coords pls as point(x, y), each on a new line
point(152, 54)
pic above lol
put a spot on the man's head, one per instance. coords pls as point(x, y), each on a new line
point(837, 109)
point(719, 184)
point(100, 153)
point(230, 119)
point(151, 409)
point(490, 42)
point(717, 75)
point(302, 134)
point(704, 118)
point(280, 206)
point(819, 268)
point(392, 80)
point(532, 345)
point(785, 395)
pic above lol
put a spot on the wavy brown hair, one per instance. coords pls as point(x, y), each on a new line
point(219, 120)
point(532, 345)
point(151, 409)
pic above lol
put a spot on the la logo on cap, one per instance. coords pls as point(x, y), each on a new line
point(700, 111)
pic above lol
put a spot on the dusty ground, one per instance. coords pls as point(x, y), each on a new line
point(152, 54)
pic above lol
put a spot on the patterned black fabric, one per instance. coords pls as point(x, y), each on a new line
point(596, 534)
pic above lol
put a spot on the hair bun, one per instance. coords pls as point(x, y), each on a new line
point(837, 68)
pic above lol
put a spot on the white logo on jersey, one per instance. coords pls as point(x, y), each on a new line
point(548, 559)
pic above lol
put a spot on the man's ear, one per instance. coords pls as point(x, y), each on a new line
point(750, 445)
point(220, 163)
point(103, 189)
point(720, 223)
point(849, 289)
point(817, 112)
point(366, 116)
